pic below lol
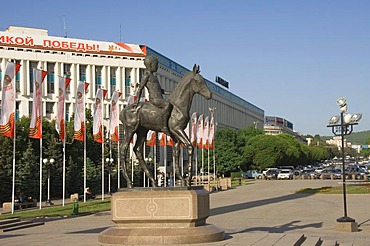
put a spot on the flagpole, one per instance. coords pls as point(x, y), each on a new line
point(13, 182)
point(14, 143)
point(144, 181)
point(41, 113)
point(64, 144)
point(84, 124)
point(132, 169)
point(102, 146)
point(118, 163)
point(132, 165)
point(155, 156)
point(182, 160)
point(173, 169)
point(118, 155)
point(195, 154)
point(208, 166)
point(202, 173)
point(165, 163)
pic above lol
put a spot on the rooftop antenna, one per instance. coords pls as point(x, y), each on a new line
point(64, 27)
point(120, 33)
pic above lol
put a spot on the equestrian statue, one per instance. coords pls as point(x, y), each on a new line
point(168, 116)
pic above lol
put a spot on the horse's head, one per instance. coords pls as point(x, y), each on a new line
point(200, 85)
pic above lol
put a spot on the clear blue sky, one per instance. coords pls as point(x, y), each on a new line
point(293, 59)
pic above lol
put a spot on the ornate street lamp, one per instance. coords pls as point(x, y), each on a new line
point(50, 161)
point(343, 125)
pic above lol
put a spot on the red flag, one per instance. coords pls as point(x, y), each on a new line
point(212, 134)
point(162, 139)
point(79, 119)
point(36, 117)
point(200, 132)
point(169, 141)
point(193, 138)
point(114, 117)
point(205, 133)
point(98, 116)
point(7, 117)
point(151, 138)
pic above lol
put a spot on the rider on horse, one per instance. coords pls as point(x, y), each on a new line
point(150, 81)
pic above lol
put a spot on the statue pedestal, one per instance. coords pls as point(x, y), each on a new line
point(155, 216)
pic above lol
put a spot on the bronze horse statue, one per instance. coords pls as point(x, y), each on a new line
point(141, 117)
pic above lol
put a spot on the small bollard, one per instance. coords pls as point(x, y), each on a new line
point(75, 206)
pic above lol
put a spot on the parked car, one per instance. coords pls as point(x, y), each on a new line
point(271, 174)
point(285, 174)
point(252, 174)
point(270, 168)
point(328, 173)
point(310, 173)
point(337, 173)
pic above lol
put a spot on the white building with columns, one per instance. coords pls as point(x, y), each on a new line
point(109, 65)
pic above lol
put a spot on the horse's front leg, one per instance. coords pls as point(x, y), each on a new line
point(124, 150)
point(180, 135)
point(176, 155)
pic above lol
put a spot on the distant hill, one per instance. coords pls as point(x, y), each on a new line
point(354, 138)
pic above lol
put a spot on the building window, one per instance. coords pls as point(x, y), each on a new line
point(49, 107)
point(51, 78)
point(82, 75)
point(33, 65)
point(98, 78)
point(127, 76)
point(113, 80)
point(67, 70)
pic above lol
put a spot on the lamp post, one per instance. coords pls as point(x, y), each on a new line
point(109, 162)
point(212, 111)
point(50, 161)
point(342, 125)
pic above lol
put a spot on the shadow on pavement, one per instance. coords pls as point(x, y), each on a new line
point(95, 230)
point(252, 204)
point(10, 236)
point(281, 228)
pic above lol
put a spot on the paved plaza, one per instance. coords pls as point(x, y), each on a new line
point(264, 212)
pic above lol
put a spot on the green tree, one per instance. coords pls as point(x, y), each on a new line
point(228, 157)
point(27, 172)
point(265, 151)
point(6, 167)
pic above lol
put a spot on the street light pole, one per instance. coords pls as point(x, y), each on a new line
point(345, 125)
point(345, 217)
point(50, 161)
point(212, 111)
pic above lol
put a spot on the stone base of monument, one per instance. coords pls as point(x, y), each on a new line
point(155, 216)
